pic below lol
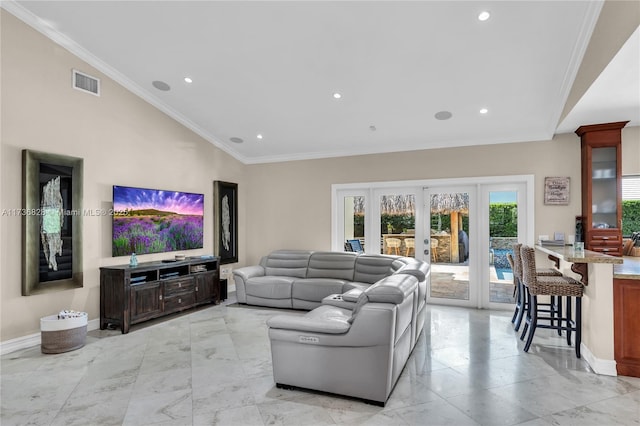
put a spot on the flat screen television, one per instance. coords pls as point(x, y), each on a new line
point(155, 221)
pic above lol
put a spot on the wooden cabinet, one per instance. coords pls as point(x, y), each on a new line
point(129, 295)
point(146, 301)
point(626, 321)
point(601, 147)
point(207, 287)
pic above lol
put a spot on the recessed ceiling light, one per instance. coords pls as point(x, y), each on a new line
point(484, 15)
point(259, 136)
point(161, 85)
point(337, 95)
point(236, 140)
point(188, 80)
point(484, 111)
point(443, 115)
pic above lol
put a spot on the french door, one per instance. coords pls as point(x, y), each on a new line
point(382, 220)
point(449, 245)
point(472, 230)
point(463, 227)
point(503, 219)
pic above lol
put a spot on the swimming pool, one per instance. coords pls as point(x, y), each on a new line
point(500, 261)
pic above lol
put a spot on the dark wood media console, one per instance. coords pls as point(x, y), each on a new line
point(130, 295)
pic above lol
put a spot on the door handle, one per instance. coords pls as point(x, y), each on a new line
point(426, 252)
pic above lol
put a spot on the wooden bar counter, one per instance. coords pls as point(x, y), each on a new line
point(596, 271)
point(626, 316)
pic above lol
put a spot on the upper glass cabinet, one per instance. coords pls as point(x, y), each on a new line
point(601, 146)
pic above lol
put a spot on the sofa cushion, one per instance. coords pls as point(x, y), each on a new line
point(371, 268)
point(269, 287)
point(337, 265)
point(288, 263)
point(315, 289)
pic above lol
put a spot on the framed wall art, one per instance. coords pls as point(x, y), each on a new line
point(225, 210)
point(556, 191)
point(51, 222)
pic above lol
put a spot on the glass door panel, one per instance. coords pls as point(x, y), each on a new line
point(448, 245)
point(604, 184)
point(397, 223)
point(354, 222)
point(350, 218)
point(503, 233)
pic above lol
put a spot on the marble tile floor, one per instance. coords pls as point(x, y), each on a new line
point(213, 367)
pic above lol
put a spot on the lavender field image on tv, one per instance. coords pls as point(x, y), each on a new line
point(155, 221)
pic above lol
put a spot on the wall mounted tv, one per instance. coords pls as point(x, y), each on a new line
point(156, 221)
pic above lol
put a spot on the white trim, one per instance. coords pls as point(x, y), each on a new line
point(528, 179)
point(577, 55)
point(605, 367)
point(32, 340)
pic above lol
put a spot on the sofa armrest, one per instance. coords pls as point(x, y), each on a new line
point(352, 295)
point(241, 276)
point(249, 272)
point(330, 320)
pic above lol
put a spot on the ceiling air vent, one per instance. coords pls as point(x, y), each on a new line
point(86, 83)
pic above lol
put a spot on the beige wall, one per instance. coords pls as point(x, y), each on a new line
point(289, 203)
point(125, 141)
point(122, 139)
point(631, 151)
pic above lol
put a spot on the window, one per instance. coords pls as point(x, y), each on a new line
point(630, 204)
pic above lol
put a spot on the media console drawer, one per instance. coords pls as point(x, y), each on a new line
point(178, 285)
point(179, 302)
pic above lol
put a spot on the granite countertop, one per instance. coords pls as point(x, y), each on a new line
point(629, 270)
point(568, 254)
point(626, 267)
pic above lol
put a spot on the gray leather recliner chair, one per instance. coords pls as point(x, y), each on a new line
point(358, 353)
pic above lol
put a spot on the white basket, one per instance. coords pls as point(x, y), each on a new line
point(62, 335)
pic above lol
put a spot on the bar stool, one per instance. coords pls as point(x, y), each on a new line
point(550, 286)
point(434, 249)
point(410, 244)
point(393, 243)
point(521, 294)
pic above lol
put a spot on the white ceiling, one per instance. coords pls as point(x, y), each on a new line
point(272, 68)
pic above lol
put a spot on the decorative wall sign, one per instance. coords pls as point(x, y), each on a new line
point(225, 210)
point(51, 222)
point(556, 191)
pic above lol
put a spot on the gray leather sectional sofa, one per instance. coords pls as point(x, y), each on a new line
point(367, 312)
point(300, 279)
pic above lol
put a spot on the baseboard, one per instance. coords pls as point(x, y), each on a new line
point(605, 367)
point(31, 340)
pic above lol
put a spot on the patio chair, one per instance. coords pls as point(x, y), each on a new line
point(393, 244)
point(434, 249)
point(410, 244)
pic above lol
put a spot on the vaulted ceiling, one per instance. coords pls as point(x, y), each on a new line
point(411, 75)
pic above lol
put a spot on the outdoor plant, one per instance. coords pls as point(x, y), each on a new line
point(630, 217)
